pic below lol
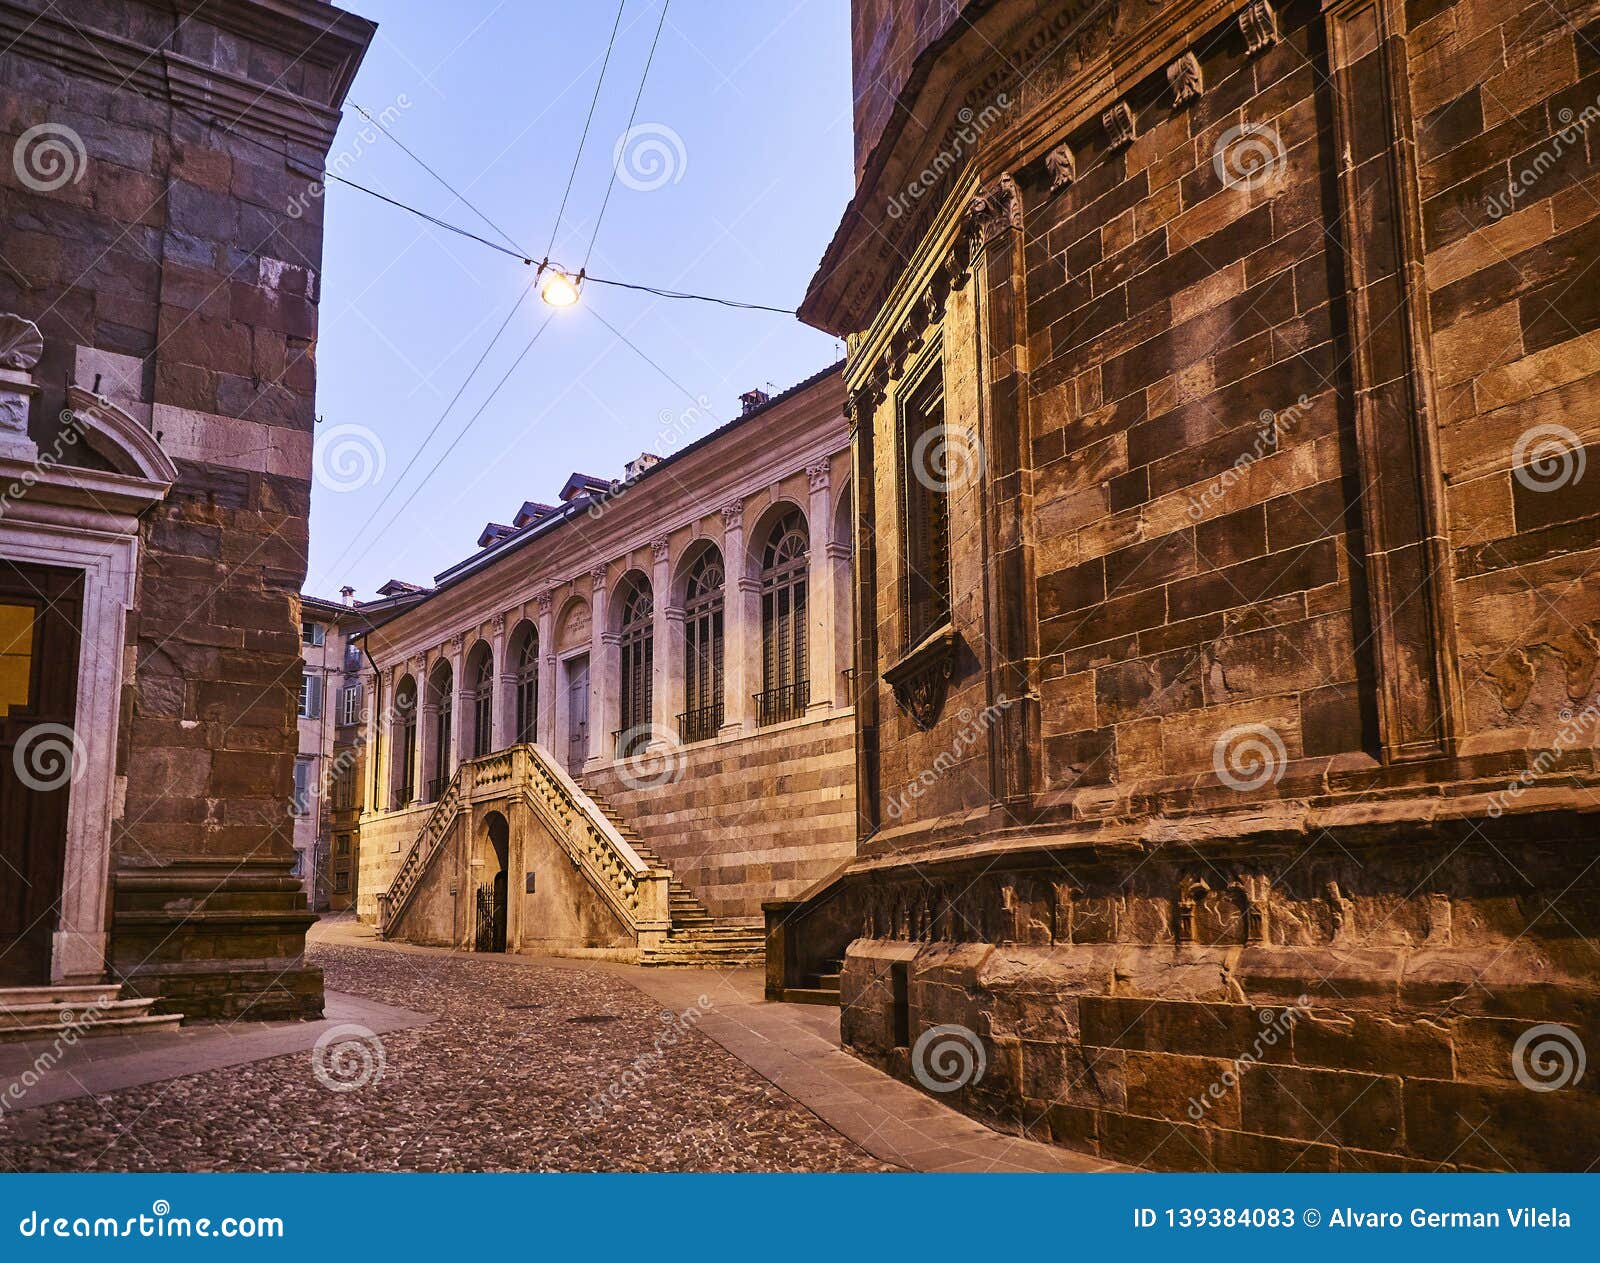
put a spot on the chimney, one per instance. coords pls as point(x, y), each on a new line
point(636, 467)
point(348, 595)
point(753, 399)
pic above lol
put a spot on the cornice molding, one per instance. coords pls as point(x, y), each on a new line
point(1058, 67)
point(319, 34)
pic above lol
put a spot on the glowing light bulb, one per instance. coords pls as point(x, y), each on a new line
point(560, 290)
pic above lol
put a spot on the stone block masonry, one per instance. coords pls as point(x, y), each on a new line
point(1266, 323)
point(167, 273)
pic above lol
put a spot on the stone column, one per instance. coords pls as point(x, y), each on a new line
point(822, 649)
point(503, 720)
point(666, 635)
point(458, 707)
point(373, 738)
point(603, 645)
point(741, 625)
point(549, 689)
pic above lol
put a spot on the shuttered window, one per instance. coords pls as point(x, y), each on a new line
point(638, 653)
point(703, 649)
point(528, 687)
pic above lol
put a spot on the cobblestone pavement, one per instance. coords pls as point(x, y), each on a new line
point(528, 1067)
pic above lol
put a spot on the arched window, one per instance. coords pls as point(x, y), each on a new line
point(405, 738)
point(702, 664)
point(441, 688)
point(638, 661)
point(480, 681)
point(526, 666)
point(785, 687)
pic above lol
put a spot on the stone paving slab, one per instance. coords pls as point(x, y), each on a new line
point(46, 1071)
point(796, 1046)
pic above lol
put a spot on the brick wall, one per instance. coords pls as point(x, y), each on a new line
point(756, 819)
point(173, 270)
point(1282, 541)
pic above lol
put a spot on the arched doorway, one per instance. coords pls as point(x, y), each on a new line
point(492, 894)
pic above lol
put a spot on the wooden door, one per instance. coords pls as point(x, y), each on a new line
point(40, 613)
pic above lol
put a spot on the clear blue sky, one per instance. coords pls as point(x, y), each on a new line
point(750, 104)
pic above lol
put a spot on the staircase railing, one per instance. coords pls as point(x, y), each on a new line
point(638, 893)
point(392, 902)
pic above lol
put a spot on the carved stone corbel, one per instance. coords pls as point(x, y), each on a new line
point(1185, 79)
point(995, 209)
point(1120, 126)
point(1259, 24)
point(1062, 165)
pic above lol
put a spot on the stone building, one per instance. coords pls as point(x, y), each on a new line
point(1222, 382)
point(625, 722)
point(156, 412)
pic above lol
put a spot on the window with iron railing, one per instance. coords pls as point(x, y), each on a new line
point(926, 464)
point(788, 701)
point(703, 649)
point(785, 559)
point(405, 739)
point(482, 683)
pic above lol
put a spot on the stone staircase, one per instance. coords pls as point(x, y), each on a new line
point(77, 1011)
point(818, 988)
point(697, 940)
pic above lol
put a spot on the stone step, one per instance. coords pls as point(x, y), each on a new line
point(67, 996)
point(43, 1012)
point(96, 1029)
point(825, 982)
point(810, 995)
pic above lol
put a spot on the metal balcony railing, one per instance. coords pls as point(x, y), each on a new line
point(789, 701)
point(701, 724)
